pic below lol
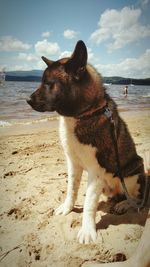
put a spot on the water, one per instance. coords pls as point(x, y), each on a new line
point(14, 109)
point(138, 97)
point(13, 105)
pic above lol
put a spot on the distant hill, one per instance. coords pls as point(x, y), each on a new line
point(35, 76)
point(25, 73)
point(29, 76)
point(127, 81)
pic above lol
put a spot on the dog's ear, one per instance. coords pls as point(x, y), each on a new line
point(79, 56)
point(77, 62)
point(47, 61)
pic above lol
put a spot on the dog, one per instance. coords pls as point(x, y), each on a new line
point(74, 89)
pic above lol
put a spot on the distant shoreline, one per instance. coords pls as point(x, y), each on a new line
point(22, 78)
point(25, 77)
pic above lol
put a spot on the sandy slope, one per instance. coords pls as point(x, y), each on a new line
point(33, 183)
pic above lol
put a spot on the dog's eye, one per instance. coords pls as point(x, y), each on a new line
point(46, 85)
point(49, 85)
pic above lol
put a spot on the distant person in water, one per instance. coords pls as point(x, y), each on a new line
point(126, 90)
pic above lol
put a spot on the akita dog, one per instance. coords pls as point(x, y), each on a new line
point(75, 90)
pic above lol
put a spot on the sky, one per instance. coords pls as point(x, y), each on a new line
point(116, 33)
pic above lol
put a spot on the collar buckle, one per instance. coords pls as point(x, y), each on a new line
point(108, 113)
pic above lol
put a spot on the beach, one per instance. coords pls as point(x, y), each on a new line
point(33, 185)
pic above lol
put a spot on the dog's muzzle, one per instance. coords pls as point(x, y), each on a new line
point(29, 101)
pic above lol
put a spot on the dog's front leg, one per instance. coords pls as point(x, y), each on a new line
point(87, 232)
point(74, 177)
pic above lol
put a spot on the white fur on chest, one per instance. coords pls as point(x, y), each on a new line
point(83, 155)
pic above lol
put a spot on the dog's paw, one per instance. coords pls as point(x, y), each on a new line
point(121, 207)
point(64, 208)
point(87, 235)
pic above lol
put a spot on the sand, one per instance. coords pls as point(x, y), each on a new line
point(33, 184)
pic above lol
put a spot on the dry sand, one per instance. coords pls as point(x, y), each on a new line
point(33, 183)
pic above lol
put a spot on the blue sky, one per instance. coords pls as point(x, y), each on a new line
point(116, 32)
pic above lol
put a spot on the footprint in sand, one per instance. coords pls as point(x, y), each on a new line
point(22, 211)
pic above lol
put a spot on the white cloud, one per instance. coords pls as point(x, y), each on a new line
point(46, 34)
point(130, 67)
point(46, 48)
point(11, 44)
point(25, 62)
point(70, 34)
point(143, 3)
point(33, 61)
point(91, 56)
point(18, 67)
point(65, 54)
point(40, 65)
point(27, 57)
point(120, 28)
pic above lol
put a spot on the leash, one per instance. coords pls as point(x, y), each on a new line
point(135, 203)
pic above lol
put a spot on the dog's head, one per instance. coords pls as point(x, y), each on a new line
point(69, 85)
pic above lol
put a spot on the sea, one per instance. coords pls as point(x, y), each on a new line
point(15, 110)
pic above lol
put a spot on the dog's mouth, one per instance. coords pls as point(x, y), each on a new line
point(40, 107)
point(29, 101)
